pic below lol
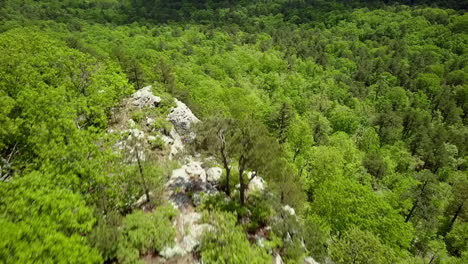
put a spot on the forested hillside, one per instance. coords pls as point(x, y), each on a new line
point(354, 113)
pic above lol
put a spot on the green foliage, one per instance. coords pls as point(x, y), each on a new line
point(138, 116)
point(227, 242)
point(129, 184)
point(316, 235)
point(356, 246)
point(361, 104)
point(344, 203)
point(105, 235)
point(34, 242)
point(162, 125)
point(291, 231)
point(256, 213)
point(456, 239)
point(42, 222)
point(145, 232)
point(157, 143)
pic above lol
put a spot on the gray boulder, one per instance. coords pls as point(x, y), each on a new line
point(150, 121)
point(195, 170)
point(188, 224)
point(278, 259)
point(170, 252)
point(289, 209)
point(182, 118)
point(145, 98)
point(310, 260)
point(256, 184)
point(213, 175)
point(177, 145)
point(143, 199)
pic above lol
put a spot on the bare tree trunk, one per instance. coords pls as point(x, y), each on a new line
point(228, 176)
point(7, 165)
point(455, 216)
point(145, 187)
point(241, 181)
point(254, 173)
point(225, 162)
point(242, 187)
point(408, 217)
point(432, 259)
point(301, 170)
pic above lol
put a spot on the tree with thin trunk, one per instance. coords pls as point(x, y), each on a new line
point(254, 150)
point(245, 143)
point(142, 175)
point(423, 195)
point(457, 207)
point(214, 138)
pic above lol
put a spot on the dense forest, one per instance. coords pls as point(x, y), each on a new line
point(354, 113)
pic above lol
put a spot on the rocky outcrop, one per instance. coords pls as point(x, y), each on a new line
point(142, 200)
point(5, 169)
point(184, 184)
point(182, 118)
point(187, 182)
point(195, 170)
point(188, 185)
point(289, 209)
point(278, 259)
point(177, 145)
point(131, 144)
point(257, 184)
point(310, 260)
point(213, 175)
point(190, 225)
point(145, 98)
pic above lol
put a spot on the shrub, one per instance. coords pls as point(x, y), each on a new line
point(162, 125)
point(316, 233)
point(260, 212)
point(156, 143)
point(228, 242)
point(145, 232)
point(255, 213)
point(288, 228)
point(357, 246)
point(105, 235)
point(138, 116)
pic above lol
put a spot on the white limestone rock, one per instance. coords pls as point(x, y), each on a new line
point(310, 260)
point(136, 134)
point(131, 143)
point(150, 121)
point(278, 259)
point(213, 175)
point(145, 98)
point(177, 145)
point(256, 184)
point(167, 140)
point(170, 252)
point(289, 209)
point(143, 199)
point(182, 118)
point(188, 224)
point(260, 241)
point(131, 123)
point(195, 170)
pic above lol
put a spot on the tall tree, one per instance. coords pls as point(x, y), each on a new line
point(280, 121)
point(215, 137)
